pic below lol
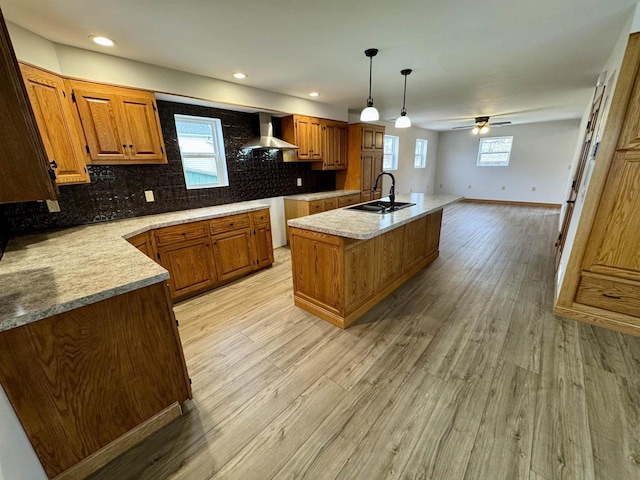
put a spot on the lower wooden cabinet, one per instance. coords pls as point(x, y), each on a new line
point(190, 266)
point(202, 255)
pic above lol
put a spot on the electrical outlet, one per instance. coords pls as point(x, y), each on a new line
point(299, 182)
point(503, 187)
point(440, 185)
point(533, 189)
point(148, 196)
point(53, 206)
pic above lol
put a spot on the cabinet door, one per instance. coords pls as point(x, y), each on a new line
point(54, 116)
point(23, 161)
point(263, 245)
point(415, 243)
point(366, 196)
point(190, 266)
point(376, 169)
point(378, 139)
point(341, 146)
point(141, 121)
point(303, 137)
point(101, 117)
point(389, 258)
point(232, 253)
point(315, 140)
point(330, 142)
point(367, 172)
point(434, 225)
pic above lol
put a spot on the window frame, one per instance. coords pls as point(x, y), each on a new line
point(423, 155)
point(494, 164)
point(220, 157)
point(394, 153)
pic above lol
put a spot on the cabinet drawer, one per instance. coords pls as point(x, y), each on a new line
point(330, 204)
point(316, 207)
point(179, 233)
point(348, 200)
point(229, 223)
point(261, 217)
point(609, 295)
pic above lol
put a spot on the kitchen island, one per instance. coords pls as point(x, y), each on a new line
point(346, 261)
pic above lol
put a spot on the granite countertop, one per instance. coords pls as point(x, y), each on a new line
point(54, 272)
point(310, 197)
point(365, 225)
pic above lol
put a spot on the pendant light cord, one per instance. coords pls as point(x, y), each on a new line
point(370, 99)
point(404, 98)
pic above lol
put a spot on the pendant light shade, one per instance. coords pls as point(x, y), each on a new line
point(403, 120)
point(370, 113)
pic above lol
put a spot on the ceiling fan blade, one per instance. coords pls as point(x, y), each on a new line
point(463, 128)
point(498, 124)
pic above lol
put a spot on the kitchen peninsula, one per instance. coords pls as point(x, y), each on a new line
point(346, 261)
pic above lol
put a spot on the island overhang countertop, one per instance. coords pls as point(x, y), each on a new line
point(361, 225)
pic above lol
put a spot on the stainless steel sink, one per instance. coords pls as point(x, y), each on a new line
point(380, 207)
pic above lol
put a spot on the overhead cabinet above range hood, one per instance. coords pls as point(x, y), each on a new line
point(266, 140)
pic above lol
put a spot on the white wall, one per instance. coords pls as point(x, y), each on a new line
point(408, 178)
point(99, 67)
point(612, 69)
point(540, 157)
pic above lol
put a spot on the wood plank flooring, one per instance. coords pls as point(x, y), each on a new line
point(461, 373)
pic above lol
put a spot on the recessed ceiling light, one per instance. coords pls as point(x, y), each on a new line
point(239, 75)
point(103, 41)
point(314, 94)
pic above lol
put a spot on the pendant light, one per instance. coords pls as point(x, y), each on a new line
point(370, 114)
point(403, 121)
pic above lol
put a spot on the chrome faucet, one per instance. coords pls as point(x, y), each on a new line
point(392, 192)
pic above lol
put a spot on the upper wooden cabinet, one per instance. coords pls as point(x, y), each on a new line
point(59, 128)
point(306, 133)
point(121, 125)
point(334, 155)
point(364, 164)
point(24, 167)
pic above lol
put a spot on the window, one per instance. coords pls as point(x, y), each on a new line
point(494, 151)
point(390, 153)
point(202, 151)
point(420, 160)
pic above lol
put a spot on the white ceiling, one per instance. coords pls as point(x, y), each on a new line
point(526, 61)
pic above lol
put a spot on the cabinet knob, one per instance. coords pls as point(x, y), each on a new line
point(124, 146)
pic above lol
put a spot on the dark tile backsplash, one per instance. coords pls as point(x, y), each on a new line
point(118, 191)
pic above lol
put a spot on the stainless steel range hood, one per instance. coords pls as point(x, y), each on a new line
point(266, 140)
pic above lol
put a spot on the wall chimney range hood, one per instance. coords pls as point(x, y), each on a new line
point(266, 140)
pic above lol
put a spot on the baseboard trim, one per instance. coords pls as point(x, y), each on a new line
point(508, 202)
point(99, 459)
point(601, 318)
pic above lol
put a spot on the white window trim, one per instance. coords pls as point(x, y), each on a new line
point(494, 164)
point(423, 163)
point(220, 157)
point(396, 147)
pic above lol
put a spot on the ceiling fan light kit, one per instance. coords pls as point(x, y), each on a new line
point(403, 120)
point(370, 113)
point(481, 126)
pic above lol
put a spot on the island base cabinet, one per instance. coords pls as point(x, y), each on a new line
point(88, 383)
point(339, 279)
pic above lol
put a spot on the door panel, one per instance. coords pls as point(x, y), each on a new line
point(376, 170)
point(264, 246)
point(103, 130)
point(303, 137)
point(57, 127)
point(367, 171)
point(342, 146)
point(144, 139)
point(368, 141)
point(378, 140)
point(233, 254)
point(190, 266)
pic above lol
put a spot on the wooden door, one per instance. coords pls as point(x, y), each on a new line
point(24, 167)
point(190, 266)
point(376, 170)
point(57, 125)
point(367, 172)
point(315, 140)
point(263, 245)
point(577, 179)
point(330, 145)
point(368, 137)
point(141, 121)
point(342, 146)
point(233, 254)
point(378, 139)
point(104, 129)
point(303, 137)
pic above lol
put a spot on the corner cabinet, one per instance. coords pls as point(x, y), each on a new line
point(59, 128)
point(24, 166)
point(203, 255)
point(335, 146)
point(121, 125)
point(323, 142)
point(602, 280)
point(365, 155)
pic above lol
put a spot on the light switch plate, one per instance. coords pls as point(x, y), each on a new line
point(53, 206)
point(299, 182)
point(148, 196)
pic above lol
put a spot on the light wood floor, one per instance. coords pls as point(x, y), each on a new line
point(462, 373)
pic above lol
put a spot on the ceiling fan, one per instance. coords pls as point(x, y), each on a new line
point(482, 125)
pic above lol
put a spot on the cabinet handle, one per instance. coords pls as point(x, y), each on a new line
point(130, 146)
point(615, 297)
point(124, 146)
